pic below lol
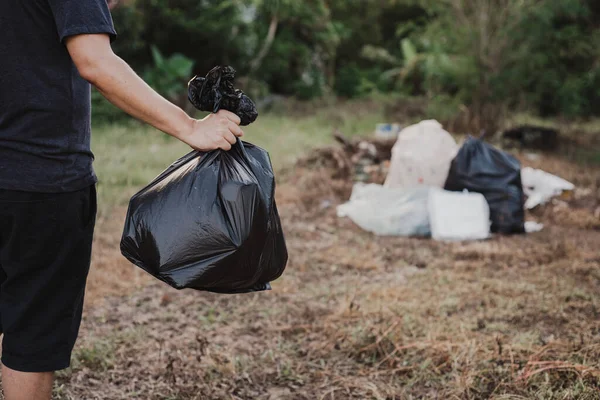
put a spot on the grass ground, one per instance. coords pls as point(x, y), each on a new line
point(129, 156)
point(354, 316)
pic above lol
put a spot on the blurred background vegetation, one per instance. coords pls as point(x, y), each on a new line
point(472, 61)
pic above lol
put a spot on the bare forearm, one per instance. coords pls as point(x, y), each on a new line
point(97, 63)
point(126, 90)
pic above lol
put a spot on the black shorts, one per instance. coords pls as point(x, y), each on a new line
point(45, 249)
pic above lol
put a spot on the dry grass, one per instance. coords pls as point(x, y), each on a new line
point(111, 274)
point(361, 317)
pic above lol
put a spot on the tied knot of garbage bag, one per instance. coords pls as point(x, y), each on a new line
point(216, 92)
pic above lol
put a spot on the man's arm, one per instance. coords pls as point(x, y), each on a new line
point(97, 64)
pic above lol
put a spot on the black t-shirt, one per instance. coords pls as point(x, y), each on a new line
point(44, 102)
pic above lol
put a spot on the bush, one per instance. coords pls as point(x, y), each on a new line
point(311, 85)
point(352, 81)
point(541, 55)
point(209, 32)
point(103, 111)
point(130, 44)
point(544, 57)
point(557, 61)
point(169, 76)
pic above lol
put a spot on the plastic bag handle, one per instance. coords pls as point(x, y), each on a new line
point(239, 144)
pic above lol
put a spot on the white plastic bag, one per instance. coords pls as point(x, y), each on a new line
point(458, 216)
point(421, 156)
point(388, 212)
point(540, 186)
point(533, 227)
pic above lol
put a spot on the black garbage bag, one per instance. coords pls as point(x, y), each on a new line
point(480, 167)
point(209, 222)
point(216, 92)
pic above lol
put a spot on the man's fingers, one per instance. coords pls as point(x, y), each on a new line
point(230, 137)
point(225, 145)
point(235, 129)
point(230, 116)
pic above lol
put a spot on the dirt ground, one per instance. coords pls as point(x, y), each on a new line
point(357, 316)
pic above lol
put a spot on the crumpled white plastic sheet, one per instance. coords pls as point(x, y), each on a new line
point(540, 186)
point(388, 211)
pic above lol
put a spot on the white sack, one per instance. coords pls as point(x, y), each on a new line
point(421, 156)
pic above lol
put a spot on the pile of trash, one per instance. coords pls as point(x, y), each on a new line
point(434, 187)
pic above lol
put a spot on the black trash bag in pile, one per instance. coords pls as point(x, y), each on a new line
point(480, 167)
point(216, 92)
point(209, 222)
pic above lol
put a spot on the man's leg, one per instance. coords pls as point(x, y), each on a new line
point(26, 385)
point(45, 249)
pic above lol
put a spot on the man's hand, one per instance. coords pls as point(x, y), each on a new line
point(97, 64)
point(217, 131)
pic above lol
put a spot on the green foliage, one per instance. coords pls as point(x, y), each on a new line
point(130, 44)
point(302, 58)
point(209, 32)
point(537, 55)
point(311, 85)
point(489, 55)
point(374, 30)
point(168, 76)
point(353, 81)
point(349, 81)
point(556, 59)
point(541, 55)
point(105, 112)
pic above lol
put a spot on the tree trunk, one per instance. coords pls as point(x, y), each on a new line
point(256, 63)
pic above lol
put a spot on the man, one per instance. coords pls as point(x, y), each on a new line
point(50, 52)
